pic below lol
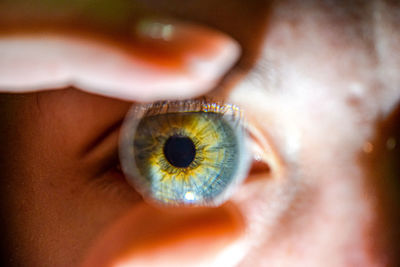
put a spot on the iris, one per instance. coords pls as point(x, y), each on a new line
point(185, 152)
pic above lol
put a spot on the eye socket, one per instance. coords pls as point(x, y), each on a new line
point(185, 153)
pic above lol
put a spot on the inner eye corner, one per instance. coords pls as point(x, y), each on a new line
point(265, 159)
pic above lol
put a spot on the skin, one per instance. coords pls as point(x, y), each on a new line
point(318, 80)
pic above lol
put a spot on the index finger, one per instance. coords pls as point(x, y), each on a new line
point(165, 60)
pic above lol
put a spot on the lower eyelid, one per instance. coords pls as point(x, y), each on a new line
point(93, 63)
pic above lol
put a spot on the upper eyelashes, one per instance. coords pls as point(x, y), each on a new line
point(185, 152)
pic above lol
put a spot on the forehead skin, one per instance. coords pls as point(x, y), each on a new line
point(327, 71)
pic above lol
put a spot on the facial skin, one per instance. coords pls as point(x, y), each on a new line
point(322, 92)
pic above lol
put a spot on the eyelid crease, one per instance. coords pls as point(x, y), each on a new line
point(108, 162)
point(93, 63)
point(103, 135)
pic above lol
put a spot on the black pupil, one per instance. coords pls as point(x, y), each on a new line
point(179, 151)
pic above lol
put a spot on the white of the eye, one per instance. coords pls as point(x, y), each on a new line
point(33, 62)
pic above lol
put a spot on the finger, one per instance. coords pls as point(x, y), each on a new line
point(163, 60)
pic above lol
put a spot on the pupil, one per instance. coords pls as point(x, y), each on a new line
point(179, 151)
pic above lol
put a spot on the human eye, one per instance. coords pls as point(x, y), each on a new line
point(185, 153)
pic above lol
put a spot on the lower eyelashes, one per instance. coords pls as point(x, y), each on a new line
point(193, 155)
